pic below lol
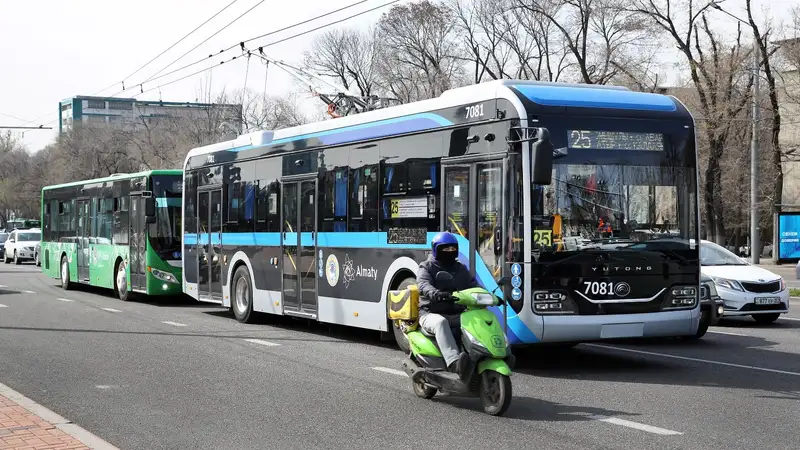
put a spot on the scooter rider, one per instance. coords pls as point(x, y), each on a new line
point(438, 310)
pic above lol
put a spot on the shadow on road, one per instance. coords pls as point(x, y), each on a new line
point(534, 409)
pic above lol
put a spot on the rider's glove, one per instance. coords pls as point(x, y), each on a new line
point(444, 296)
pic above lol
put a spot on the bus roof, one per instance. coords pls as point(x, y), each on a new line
point(115, 177)
point(418, 116)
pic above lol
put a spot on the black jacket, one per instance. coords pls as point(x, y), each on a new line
point(429, 301)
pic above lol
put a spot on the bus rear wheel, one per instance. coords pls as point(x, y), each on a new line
point(121, 282)
point(242, 298)
point(65, 283)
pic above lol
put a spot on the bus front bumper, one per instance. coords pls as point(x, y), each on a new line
point(574, 328)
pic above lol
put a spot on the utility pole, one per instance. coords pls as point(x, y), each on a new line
point(754, 239)
point(754, 234)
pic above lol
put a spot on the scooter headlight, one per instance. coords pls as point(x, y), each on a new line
point(483, 299)
point(473, 341)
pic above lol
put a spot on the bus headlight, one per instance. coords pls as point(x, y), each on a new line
point(163, 276)
point(545, 302)
point(681, 297)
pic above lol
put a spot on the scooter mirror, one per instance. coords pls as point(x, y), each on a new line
point(444, 280)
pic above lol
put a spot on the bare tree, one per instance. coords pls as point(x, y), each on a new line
point(716, 77)
point(349, 56)
point(604, 38)
point(418, 56)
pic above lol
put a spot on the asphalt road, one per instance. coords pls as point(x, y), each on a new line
point(172, 375)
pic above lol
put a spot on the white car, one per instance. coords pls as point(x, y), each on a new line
point(21, 245)
point(746, 290)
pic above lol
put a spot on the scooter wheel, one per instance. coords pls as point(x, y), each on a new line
point(495, 392)
point(423, 391)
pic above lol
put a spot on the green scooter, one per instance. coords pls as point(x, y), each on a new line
point(483, 338)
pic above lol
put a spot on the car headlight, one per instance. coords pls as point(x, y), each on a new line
point(164, 276)
point(783, 284)
point(483, 299)
point(710, 290)
point(728, 284)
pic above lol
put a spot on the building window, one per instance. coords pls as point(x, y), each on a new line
point(96, 104)
point(120, 106)
point(66, 106)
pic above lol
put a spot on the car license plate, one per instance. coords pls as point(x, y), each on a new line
point(767, 300)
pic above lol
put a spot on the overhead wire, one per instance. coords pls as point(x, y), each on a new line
point(205, 40)
point(152, 78)
point(156, 76)
point(171, 46)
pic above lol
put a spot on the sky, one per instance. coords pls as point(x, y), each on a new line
point(55, 49)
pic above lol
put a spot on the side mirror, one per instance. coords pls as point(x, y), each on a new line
point(504, 281)
point(150, 209)
point(542, 159)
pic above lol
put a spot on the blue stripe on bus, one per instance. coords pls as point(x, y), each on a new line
point(518, 332)
point(381, 128)
point(596, 98)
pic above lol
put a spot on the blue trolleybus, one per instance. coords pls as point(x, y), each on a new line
point(585, 196)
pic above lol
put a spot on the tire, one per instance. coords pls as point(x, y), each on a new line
point(37, 260)
point(702, 329)
point(400, 337)
point(17, 261)
point(121, 282)
point(65, 283)
point(423, 391)
point(242, 295)
point(495, 393)
point(765, 319)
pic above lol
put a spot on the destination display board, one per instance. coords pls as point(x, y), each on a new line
point(615, 140)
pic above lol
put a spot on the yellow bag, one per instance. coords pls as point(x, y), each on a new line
point(404, 303)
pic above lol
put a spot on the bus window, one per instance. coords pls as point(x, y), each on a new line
point(490, 213)
point(457, 200)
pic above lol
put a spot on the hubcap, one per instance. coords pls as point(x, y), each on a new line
point(491, 386)
point(242, 295)
point(122, 286)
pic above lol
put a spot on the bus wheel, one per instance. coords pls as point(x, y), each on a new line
point(242, 298)
point(65, 283)
point(399, 336)
point(121, 282)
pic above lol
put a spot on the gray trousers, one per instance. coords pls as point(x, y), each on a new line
point(439, 326)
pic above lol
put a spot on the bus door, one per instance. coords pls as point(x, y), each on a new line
point(209, 244)
point(137, 256)
point(474, 208)
point(299, 246)
point(82, 239)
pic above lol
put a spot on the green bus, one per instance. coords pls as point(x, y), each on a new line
point(122, 232)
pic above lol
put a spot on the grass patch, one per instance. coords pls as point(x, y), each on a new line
point(794, 292)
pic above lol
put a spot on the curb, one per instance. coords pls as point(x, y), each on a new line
point(63, 424)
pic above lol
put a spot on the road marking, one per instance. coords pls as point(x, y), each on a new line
point(790, 318)
point(177, 324)
point(727, 333)
point(63, 299)
point(636, 425)
point(686, 358)
point(3, 306)
point(29, 292)
point(3, 286)
point(392, 371)
point(261, 342)
point(110, 310)
point(60, 422)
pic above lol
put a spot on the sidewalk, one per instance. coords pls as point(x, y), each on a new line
point(21, 429)
point(27, 425)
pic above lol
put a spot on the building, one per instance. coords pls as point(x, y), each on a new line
point(131, 113)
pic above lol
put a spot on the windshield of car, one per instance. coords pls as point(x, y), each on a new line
point(24, 237)
point(715, 255)
point(3, 237)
